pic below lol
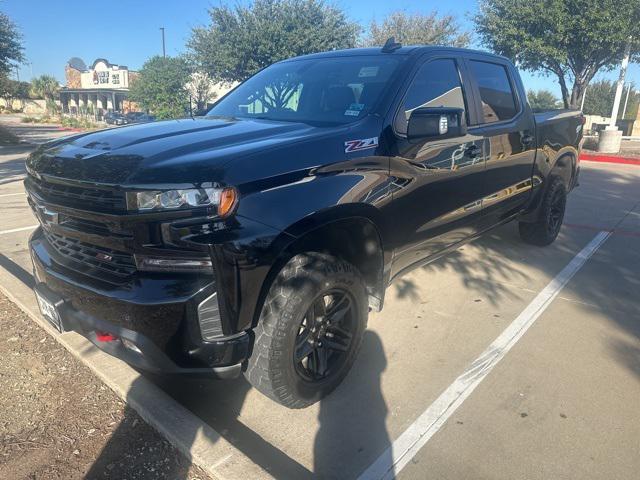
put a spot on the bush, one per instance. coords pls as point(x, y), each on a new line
point(74, 122)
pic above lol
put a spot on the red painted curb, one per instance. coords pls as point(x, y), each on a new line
point(589, 157)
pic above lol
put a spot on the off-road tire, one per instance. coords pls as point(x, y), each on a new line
point(271, 368)
point(546, 229)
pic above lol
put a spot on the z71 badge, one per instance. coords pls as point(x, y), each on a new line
point(362, 144)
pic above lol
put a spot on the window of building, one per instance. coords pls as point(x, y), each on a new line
point(437, 84)
point(115, 78)
point(496, 94)
point(103, 77)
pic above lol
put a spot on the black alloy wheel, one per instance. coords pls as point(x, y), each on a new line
point(325, 336)
point(556, 212)
point(310, 330)
point(544, 231)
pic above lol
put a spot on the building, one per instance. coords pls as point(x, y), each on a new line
point(101, 88)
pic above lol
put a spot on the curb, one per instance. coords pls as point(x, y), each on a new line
point(195, 439)
point(590, 157)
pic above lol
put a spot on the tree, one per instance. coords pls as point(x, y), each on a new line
point(46, 86)
point(542, 100)
point(417, 29)
point(571, 39)
point(201, 88)
point(160, 87)
point(241, 40)
point(599, 98)
point(11, 49)
point(11, 90)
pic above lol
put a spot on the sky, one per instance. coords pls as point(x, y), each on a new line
point(128, 32)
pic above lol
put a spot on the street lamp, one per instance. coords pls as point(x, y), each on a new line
point(626, 100)
point(610, 138)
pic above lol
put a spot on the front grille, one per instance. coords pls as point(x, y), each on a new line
point(90, 259)
point(85, 198)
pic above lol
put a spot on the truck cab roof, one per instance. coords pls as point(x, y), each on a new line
point(410, 50)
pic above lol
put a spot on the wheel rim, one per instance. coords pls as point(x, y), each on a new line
point(325, 336)
point(556, 213)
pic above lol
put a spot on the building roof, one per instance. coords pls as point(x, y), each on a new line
point(93, 90)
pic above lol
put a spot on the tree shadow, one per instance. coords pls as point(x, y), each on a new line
point(486, 271)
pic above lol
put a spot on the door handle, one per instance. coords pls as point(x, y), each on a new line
point(473, 151)
point(527, 139)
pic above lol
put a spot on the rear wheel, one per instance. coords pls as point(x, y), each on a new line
point(546, 229)
point(310, 330)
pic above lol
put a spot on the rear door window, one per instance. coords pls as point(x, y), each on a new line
point(496, 93)
point(437, 84)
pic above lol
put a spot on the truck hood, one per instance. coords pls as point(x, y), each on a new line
point(175, 151)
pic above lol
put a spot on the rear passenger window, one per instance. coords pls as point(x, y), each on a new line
point(496, 94)
point(437, 84)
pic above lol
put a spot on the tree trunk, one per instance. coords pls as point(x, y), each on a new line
point(563, 89)
point(577, 92)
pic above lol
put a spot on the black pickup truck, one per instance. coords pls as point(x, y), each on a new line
point(257, 238)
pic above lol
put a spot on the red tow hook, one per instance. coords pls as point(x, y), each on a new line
point(105, 336)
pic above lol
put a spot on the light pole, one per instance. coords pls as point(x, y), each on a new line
point(584, 95)
point(626, 100)
point(164, 53)
point(619, 88)
point(610, 138)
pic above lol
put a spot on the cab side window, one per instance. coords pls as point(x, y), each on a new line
point(496, 94)
point(437, 84)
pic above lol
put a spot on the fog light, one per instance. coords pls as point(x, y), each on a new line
point(131, 346)
point(157, 264)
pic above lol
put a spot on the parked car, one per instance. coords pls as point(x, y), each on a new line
point(256, 239)
point(115, 118)
point(145, 118)
point(139, 117)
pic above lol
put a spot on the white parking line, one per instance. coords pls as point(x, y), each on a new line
point(12, 194)
point(22, 229)
point(409, 443)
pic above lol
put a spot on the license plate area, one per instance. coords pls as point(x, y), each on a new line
point(50, 309)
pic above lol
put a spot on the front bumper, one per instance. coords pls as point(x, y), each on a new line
point(156, 312)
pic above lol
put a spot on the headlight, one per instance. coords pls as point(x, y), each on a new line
point(149, 200)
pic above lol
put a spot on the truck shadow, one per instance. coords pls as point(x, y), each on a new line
point(350, 426)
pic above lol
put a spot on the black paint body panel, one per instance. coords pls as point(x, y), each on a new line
point(392, 207)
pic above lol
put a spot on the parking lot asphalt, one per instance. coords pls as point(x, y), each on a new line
point(560, 402)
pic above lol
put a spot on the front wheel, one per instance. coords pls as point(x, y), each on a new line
point(310, 330)
point(546, 229)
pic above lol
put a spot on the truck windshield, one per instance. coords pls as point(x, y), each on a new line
point(331, 90)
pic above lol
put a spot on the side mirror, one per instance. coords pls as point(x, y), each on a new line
point(436, 123)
